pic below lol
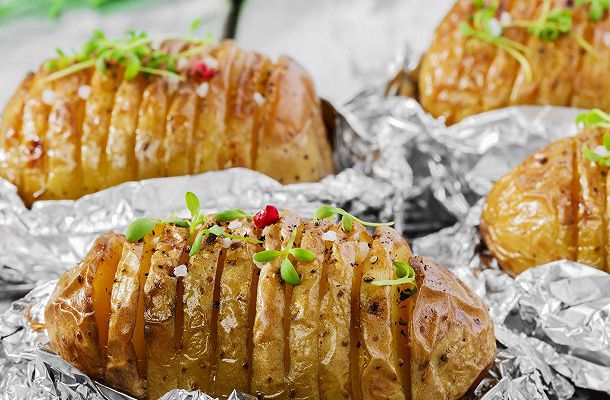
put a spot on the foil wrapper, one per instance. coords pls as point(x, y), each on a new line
point(396, 162)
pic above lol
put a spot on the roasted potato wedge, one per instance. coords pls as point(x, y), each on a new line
point(218, 321)
point(461, 76)
point(66, 137)
point(552, 206)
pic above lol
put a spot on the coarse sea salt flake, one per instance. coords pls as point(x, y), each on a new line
point(211, 62)
point(235, 224)
point(258, 98)
point(202, 89)
point(48, 96)
point(329, 236)
point(363, 250)
point(180, 270)
point(84, 91)
point(229, 323)
point(225, 242)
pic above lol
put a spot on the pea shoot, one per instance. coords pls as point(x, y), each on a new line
point(141, 227)
point(596, 118)
point(597, 8)
point(287, 270)
point(136, 53)
point(347, 219)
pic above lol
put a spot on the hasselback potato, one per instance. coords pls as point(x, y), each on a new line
point(552, 206)
point(66, 135)
point(152, 315)
point(466, 70)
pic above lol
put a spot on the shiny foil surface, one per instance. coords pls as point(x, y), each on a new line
point(396, 162)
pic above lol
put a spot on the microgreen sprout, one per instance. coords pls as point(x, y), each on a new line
point(135, 53)
point(596, 118)
point(597, 8)
point(347, 219)
point(287, 270)
point(406, 276)
point(141, 227)
point(232, 214)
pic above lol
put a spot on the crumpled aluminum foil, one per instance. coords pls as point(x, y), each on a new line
point(396, 163)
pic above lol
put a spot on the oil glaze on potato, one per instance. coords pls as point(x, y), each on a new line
point(460, 77)
point(252, 113)
point(552, 206)
point(230, 323)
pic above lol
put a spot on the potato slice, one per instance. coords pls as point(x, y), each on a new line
point(160, 298)
point(10, 126)
point(80, 307)
point(209, 135)
point(236, 314)
point(150, 132)
point(304, 314)
point(248, 74)
point(64, 179)
point(33, 150)
point(291, 131)
point(268, 364)
point(380, 374)
point(178, 140)
point(98, 111)
point(450, 332)
point(592, 202)
point(197, 351)
point(122, 367)
point(530, 216)
point(120, 156)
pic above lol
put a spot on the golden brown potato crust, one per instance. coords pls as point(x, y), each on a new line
point(552, 206)
point(460, 77)
point(89, 131)
point(231, 323)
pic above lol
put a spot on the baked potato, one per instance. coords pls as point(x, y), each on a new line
point(194, 310)
point(462, 75)
point(66, 135)
point(552, 206)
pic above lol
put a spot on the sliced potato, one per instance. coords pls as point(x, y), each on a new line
point(78, 311)
point(197, 351)
point(120, 157)
point(160, 298)
point(236, 314)
point(98, 113)
point(122, 366)
point(150, 132)
point(179, 132)
point(451, 335)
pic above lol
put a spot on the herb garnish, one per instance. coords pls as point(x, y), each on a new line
point(287, 270)
point(141, 227)
point(347, 219)
point(549, 26)
point(135, 53)
point(597, 8)
point(405, 273)
point(596, 118)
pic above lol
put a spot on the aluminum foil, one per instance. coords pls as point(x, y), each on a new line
point(395, 162)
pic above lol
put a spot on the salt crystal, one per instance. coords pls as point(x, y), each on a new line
point(84, 92)
point(363, 250)
point(48, 96)
point(225, 242)
point(180, 270)
point(229, 323)
point(234, 224)
point(202, 89)
point(258, 98)
point(330, 236)
point(211, 62)
point(601, 151)
point(506, 18)
point(182, 63)
point(495, 27)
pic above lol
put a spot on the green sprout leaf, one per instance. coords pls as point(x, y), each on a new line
point(402, 269)
point(405, 273)
point(324, 212)
point(192, 203)
point(194, 25)
point(139, 228)
point(347, 223)
point(266, 256)
point(196, 247)
point(177, 221)
point(288, 273)
point(302, 254)
point(231, 215)
point(327, 211)
point(597, 8)
point(594, 118)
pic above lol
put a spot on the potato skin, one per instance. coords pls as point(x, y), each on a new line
point(530, 215)
point(451, 337)
point(70, 314)
point(221, 326)
point(252, 113)
point(460, 77)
